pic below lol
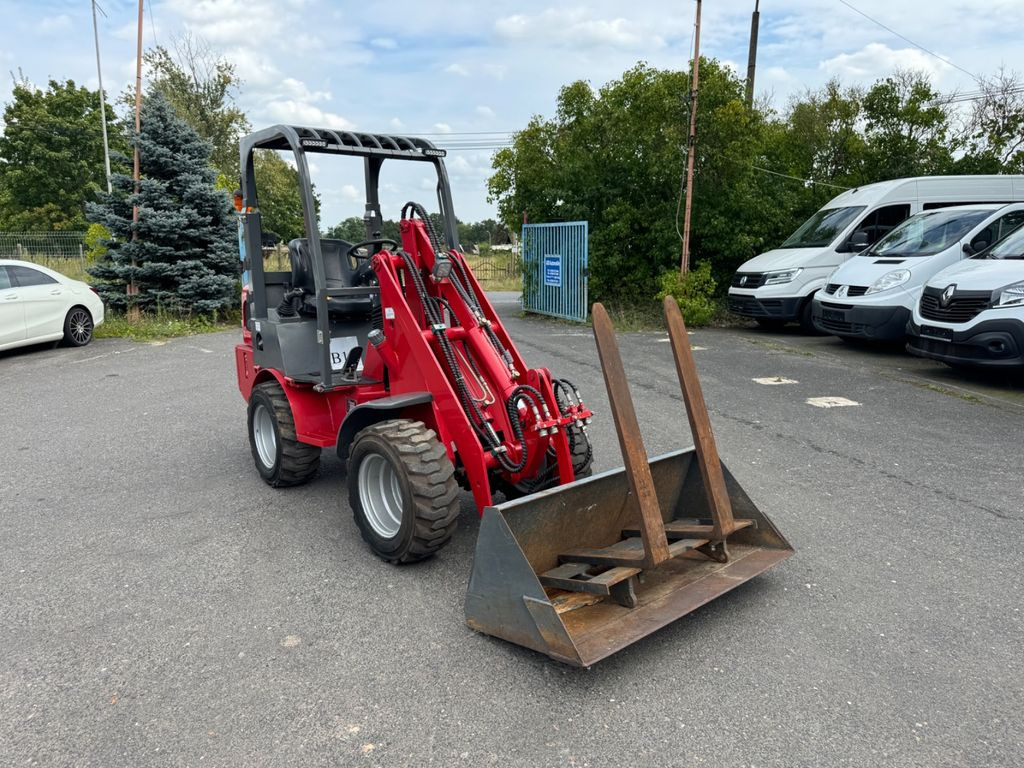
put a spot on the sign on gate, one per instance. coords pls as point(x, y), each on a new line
point(555, 270)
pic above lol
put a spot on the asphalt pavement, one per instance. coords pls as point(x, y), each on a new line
point(161, 606)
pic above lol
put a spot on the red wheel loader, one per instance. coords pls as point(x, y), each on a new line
point(390, 353)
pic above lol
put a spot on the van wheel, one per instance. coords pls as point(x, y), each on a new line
point(806, 321)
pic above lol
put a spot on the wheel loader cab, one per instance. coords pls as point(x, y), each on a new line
point(340, 273)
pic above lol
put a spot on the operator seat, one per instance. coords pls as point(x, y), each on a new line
point(339, 272)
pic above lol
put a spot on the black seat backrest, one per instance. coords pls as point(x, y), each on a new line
point(337, 265)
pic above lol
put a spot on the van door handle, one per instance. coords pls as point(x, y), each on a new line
point(11, 297)
point(56, 292)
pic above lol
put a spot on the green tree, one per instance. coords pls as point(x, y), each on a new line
point(184, 258)
point(201, 86)
point(822, 140)
point(994, 133)
point(277, 188)
point(353, 230)
point(615, 157)
point(906, 128)
point(51, 156)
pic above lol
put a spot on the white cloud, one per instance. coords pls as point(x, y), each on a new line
point(397, 124)
point(877, 60)
point(350, 193)
point(457, 69)
point(442, 128)
point(486, 112)
point(303, 113)
point(384, 42)
point(572, 27)
point(52, 24)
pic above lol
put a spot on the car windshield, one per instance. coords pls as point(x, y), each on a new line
point(822, 228)
point(927, 233)
point(1010, 247)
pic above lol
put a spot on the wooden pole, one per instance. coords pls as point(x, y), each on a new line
point(752, 54)
point(133, 289)
point(691, 143)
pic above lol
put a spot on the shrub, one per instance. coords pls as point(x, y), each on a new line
point(694, 293)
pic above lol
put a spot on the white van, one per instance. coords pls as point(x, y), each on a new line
point(776, 287)
point(972, 314)
point(872, 295)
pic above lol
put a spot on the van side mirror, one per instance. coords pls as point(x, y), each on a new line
point(976, 246)
point(859, 240)
point(968, 249)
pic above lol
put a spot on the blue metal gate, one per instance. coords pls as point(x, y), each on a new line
point(555, 270)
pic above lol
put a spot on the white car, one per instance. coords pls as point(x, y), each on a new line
point(972, 314)
point(872, 295)
point(39, 305)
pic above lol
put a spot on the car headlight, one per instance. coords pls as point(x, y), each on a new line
point(1011, 296)
point(781, 276)
point(889, 280)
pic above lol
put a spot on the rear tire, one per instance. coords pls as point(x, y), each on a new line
point(402, 490)
point(78, 327)
point(280, 458)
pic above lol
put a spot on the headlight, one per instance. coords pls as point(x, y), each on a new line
point(1011, 296)
point(781, 276)
point(889, 280)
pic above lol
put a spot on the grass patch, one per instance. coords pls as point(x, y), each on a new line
point(156, 327)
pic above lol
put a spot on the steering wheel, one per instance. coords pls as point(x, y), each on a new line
point(360, 276)
point(352, 252)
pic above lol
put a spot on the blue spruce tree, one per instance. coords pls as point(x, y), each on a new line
point(184, 259)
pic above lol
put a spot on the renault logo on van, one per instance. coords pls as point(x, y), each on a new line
point(743, 280)
point(947, 295)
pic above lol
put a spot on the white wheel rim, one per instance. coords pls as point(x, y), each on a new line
point(380, 494)
point(263, 436)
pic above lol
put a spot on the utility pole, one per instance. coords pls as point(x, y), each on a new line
point(103, 95)
point(691, 143)
point(752, 55)
point(133, 289)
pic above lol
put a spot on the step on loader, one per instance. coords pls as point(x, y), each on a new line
point(388, 352)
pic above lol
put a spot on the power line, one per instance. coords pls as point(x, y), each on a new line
point(907, 39)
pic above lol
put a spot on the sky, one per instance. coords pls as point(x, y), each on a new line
point(466, 74)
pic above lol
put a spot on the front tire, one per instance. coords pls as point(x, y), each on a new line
point(78, 327)
point(402, 490)
point(806, 318)
point(280, 458)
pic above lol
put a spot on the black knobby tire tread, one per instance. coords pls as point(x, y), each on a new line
point(581, 451)
point(432, 480)
point(299, 461)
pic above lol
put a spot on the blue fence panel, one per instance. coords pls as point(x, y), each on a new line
point(555, 270)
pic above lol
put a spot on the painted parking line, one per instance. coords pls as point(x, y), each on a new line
point(692, 346)
point(830, 402)
point(771, 381)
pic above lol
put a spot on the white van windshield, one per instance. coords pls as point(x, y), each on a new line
point(926, 234)
point(821, 229)
point(1010, 247)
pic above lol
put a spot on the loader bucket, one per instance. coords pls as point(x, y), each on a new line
point(583, 570)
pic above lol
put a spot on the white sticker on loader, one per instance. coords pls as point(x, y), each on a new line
point(340, 347)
